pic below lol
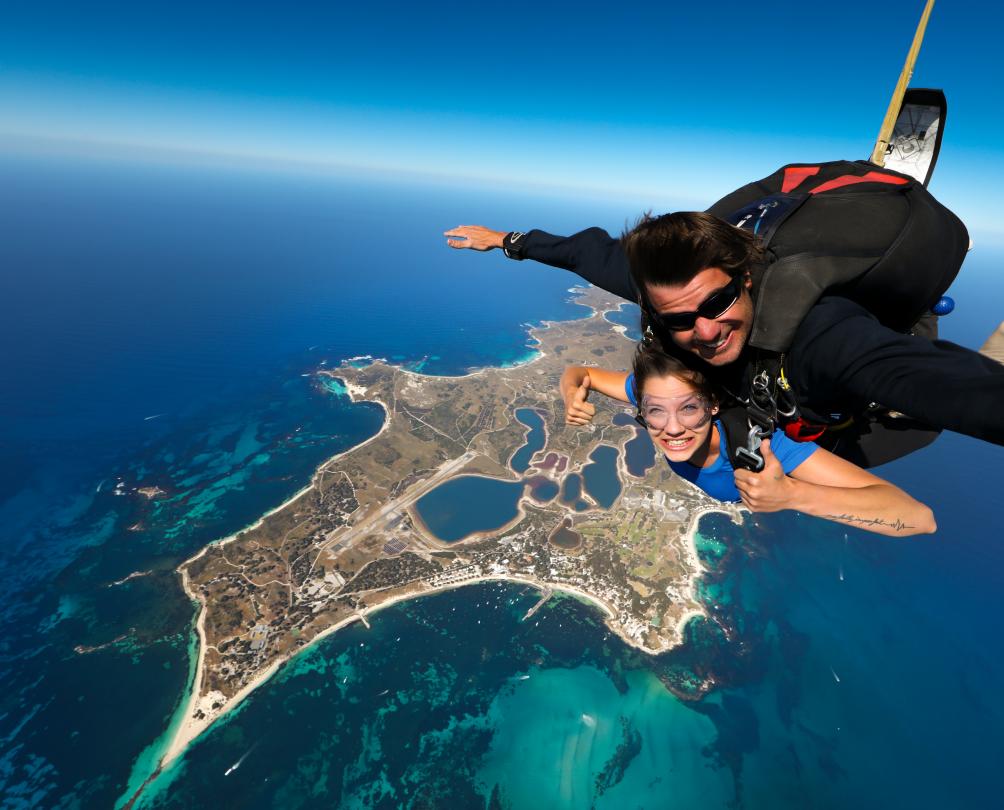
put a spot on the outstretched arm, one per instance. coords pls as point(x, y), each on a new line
point(830, 487)
point(844, 356)
point(592, 254)
point(578, 381)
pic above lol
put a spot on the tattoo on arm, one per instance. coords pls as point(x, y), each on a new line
point(897, 524)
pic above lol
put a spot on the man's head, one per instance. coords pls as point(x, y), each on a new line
point(694, 273)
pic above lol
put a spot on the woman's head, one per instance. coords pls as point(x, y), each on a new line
point(675, 403)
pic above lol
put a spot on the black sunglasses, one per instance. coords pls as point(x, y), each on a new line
point(714, 306)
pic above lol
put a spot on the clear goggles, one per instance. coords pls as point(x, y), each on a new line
point(689, 411)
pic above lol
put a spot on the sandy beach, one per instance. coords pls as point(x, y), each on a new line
point(190, 727)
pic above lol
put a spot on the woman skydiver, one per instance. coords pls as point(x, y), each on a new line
point(678, 407)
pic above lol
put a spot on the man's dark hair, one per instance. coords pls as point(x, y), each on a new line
point(650, 361)
point(671, 249)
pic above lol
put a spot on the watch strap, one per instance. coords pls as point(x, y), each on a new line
point(512, 245)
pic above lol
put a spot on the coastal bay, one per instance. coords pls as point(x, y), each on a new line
point(348, 544)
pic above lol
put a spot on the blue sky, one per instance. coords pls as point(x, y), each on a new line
point(664, 103)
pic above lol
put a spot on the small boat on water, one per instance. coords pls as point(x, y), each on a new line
point(240, 761)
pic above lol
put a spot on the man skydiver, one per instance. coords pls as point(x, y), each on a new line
point(802, 311)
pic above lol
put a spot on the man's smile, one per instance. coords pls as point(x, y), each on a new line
point(710, 348)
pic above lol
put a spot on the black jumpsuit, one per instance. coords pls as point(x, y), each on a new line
point(842, 358)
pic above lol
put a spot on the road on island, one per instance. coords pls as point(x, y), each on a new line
point(389, 510)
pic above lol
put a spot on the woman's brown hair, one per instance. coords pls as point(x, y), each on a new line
point(650, 361)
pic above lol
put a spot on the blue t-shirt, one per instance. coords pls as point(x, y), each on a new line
point(718, 480)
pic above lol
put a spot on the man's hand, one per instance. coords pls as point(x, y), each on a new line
point(769, 490)
point(474, 237)
point(577, 410)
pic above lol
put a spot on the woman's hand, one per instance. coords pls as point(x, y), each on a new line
point(576, 383)
point(577, 410)
point(474, 237)
point(769, 490)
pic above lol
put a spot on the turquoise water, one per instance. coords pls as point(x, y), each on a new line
point(855, 671)
point(600, 476)
point(595, 745)
point(535, 439)
point(467, 504)
point(551, 712)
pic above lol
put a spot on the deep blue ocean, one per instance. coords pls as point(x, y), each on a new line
point(161, 325)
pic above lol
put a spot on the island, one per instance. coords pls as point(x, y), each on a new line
point(471, 478)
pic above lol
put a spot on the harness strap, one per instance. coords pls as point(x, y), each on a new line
point(794, 175)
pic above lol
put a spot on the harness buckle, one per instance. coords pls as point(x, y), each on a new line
point(760, 393)
point(750, 455)
point(790, 409)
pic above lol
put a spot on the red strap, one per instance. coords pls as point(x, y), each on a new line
point(794, 175)
point(850, 180)
point(803, 431)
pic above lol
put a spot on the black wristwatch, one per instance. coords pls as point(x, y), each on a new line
point(512, 245)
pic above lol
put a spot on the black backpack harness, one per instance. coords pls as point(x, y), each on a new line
point(788, 289)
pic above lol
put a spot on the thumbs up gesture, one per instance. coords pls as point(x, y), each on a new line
point(769, 490)
point(577, 410)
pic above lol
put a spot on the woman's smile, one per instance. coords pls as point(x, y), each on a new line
point(676, 444)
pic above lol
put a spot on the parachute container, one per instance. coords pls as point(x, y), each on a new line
point(916, 137)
